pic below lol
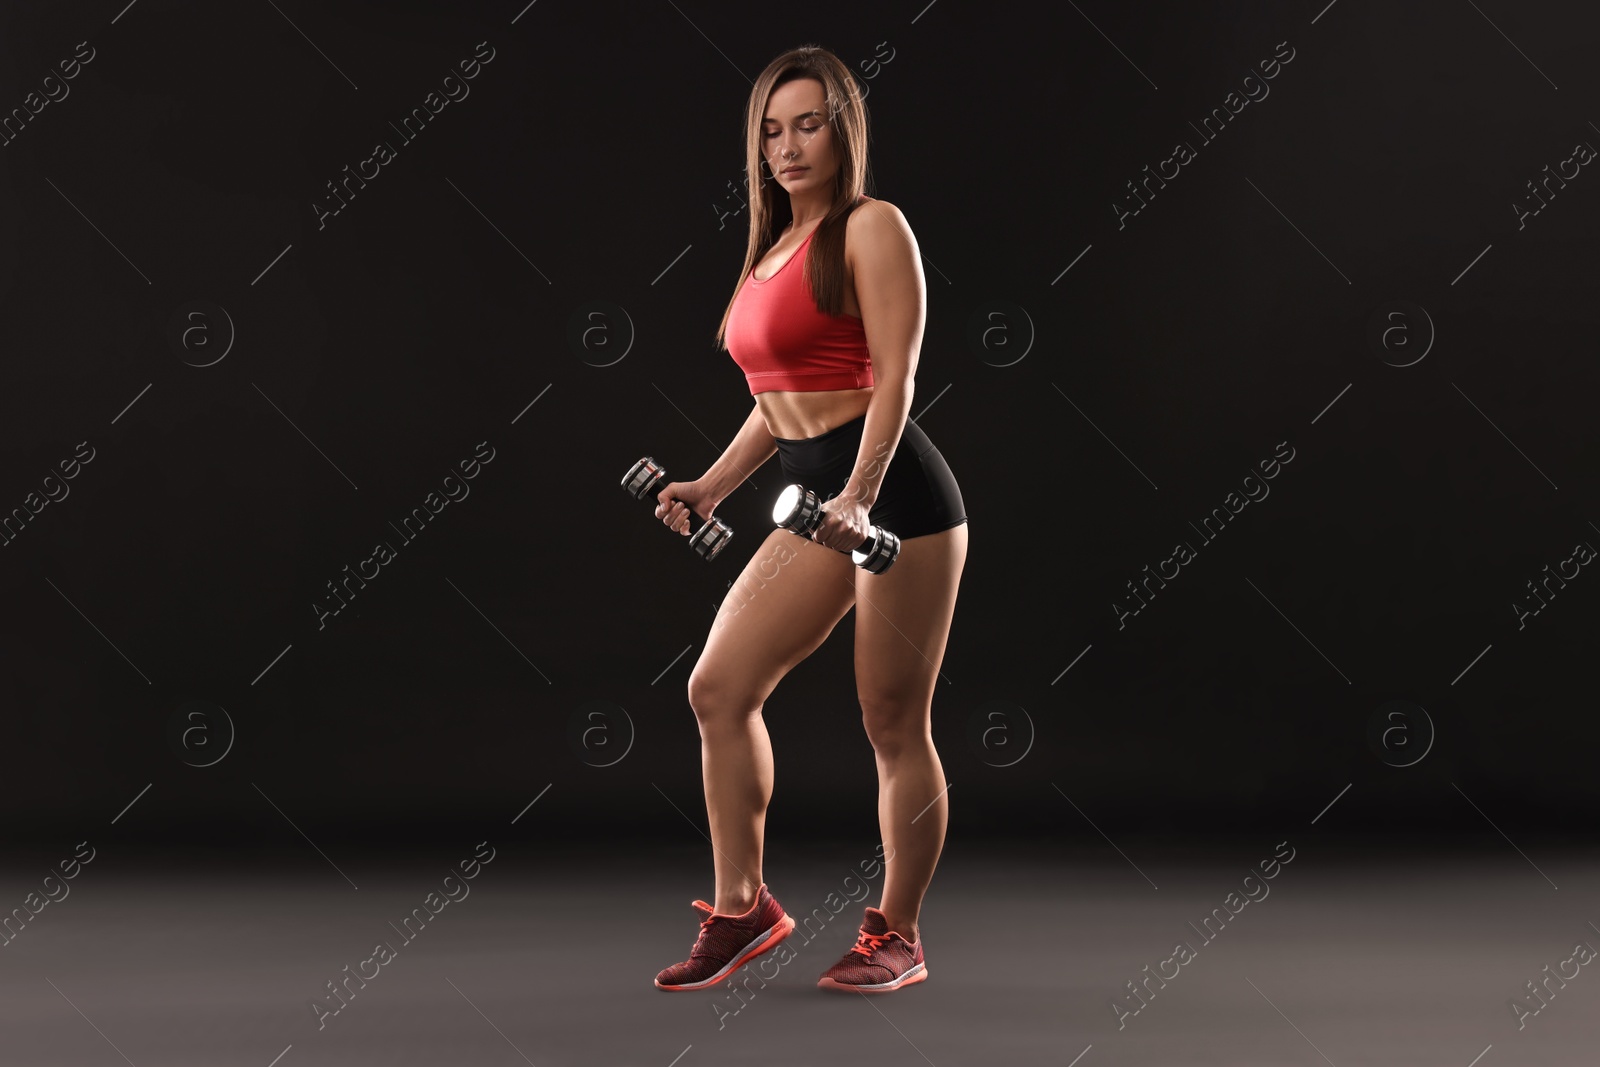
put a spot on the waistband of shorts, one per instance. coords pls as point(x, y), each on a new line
point(837, 431)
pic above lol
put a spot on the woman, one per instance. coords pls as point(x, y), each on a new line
point(826, 324)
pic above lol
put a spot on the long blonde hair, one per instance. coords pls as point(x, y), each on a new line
point(847, 113)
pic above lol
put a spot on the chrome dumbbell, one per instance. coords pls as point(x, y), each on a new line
point(644, 481)
point(800, 510)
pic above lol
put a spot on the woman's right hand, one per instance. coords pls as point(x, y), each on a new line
point(677, 499)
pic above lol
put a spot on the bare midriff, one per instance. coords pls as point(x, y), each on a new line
point(796, 416)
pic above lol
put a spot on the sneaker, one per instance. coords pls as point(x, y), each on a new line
point(726, 942)
point(881, 961)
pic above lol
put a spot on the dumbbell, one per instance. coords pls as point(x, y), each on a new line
point(800, 510)
point(645, 479)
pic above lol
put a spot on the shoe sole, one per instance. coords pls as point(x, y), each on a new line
point(916, 974)
point(765, 942)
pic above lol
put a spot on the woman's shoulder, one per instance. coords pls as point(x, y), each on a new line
point(875, 222)
point(872, 214)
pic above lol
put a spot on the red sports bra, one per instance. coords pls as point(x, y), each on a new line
point(781, 341)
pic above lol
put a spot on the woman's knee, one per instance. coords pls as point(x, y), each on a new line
point(894, 724)
point(718, 699)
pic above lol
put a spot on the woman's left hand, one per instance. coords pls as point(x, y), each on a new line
point(844, 524)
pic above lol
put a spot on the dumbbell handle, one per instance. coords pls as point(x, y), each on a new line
point(874, 535)
point(693, 514)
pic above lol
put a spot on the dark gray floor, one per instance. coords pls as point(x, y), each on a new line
point(1348, 960)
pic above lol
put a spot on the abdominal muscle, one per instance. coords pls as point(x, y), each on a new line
point(796, 416)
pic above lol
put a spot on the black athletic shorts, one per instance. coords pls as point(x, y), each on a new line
point(918, 495)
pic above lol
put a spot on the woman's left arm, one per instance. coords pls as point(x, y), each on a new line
point(891, 292)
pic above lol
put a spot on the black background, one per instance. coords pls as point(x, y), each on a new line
point(591, 162)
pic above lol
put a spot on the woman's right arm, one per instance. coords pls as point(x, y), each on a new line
point(752, 447)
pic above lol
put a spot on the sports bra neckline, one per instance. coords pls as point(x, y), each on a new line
point(792, 257)
point(798, 251)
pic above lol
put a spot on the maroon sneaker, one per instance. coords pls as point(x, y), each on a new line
point(726, 942)
point(881, 961)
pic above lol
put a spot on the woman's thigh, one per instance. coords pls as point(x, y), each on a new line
point(903, 622)
point(784, 604)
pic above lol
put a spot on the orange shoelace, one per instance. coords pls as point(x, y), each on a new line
point(705, 932)
point(705, 928)
point(867, 943)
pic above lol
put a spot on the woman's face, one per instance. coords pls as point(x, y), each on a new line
point(796, 133)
